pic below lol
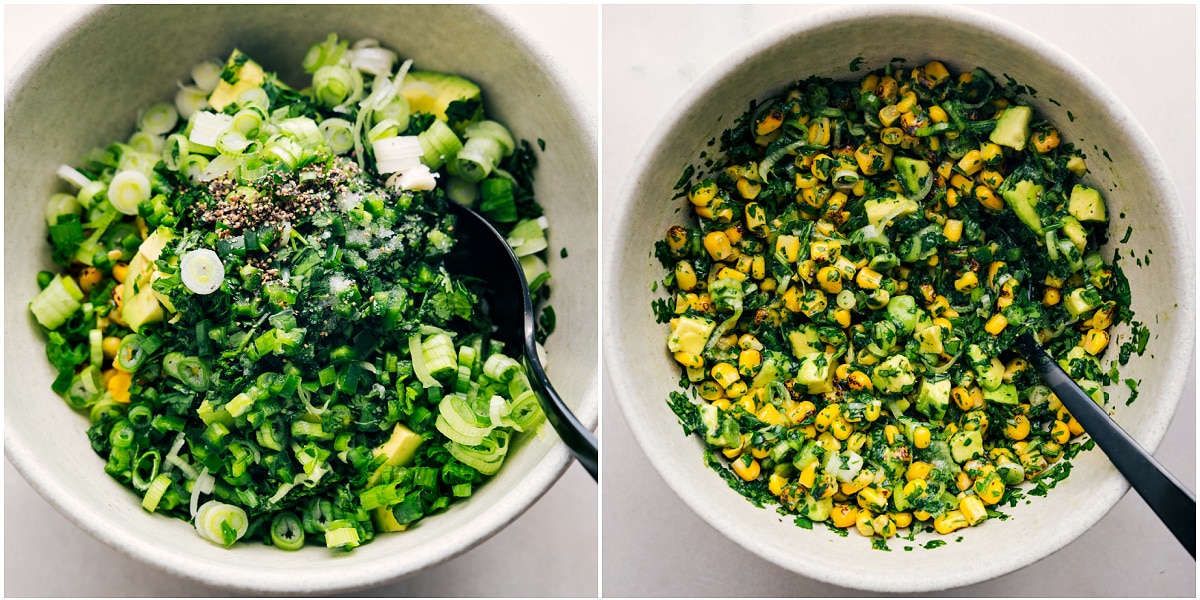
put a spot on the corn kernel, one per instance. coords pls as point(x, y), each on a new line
point(749, 361)
point(921, 437)
point(1051, 297)
point(967, 282)
point(703, 193)
point(119, 385)
point(996, 324)
point(1095, 340)
point(739, 388)
point(686, 359)
point(724, 374)
point(864, 522)
point(826, 417)
point(776, 483)
point(844, 515)
point(917, 470)
point(988, 198)
point(718, 246)
point(950, 521)
point(868, 279)
point(788, 246)
point(972, 509)
point(1016, 428)
point(936, 73)
point(952, 230)
point(748, 472)
point(748, 189)
point(1045, 140)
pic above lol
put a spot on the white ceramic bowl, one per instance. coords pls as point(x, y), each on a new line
point(1139, 193)
point(82, 89)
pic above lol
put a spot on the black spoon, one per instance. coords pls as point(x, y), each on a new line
point(485, 254)
point(1173, 503)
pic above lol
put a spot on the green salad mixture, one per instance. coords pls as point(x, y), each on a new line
point(843, 308)
point(253, 305)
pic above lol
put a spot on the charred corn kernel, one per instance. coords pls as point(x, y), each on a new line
point(917, 470)
point(88, 278)
point(749, 361)
point(873, 410)
point(830, 279)
point(703, 192)
point(908, 101)
point(922, 437)
point(677, 237)
point(864, 522)
point(808, 475)
point(996, 324)
point(841, 429)
point(109, 346)
point(844, 515)
point(769, 122)
point(950, 521)
point(842, 316)
point(967, 282)
point(748, 189)
point(711, 390)
point(739, 388)
point(910, 122)
point(735, 233)
point(891, 433)
point(718, 246)
point(685, 275)
point(827, 416)
point(936, 73)
point(868, 279)
point(972, 509)
point(748, 472)
point(1013, 369)
point(887, 89)
point(118, 386)
point(800, 411)
point(788, 246)
point(825, 251)
point(859, 381)
point(120, 270)
point(1060, 432)
point(1045, 140)
point(686, 359)
point(724, 374)
point(891, 136)
point(988, 198)
point(1016, 428)
point(776, 483)
point(1102, 319)
point(937, 114)
point(1095, 340)
point(962, 398)
point(1077, 165)
point(870, 498)
point(991, 178)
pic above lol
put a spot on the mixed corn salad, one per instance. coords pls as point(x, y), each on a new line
point(843, 307)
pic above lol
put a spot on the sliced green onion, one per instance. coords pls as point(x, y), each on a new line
point(329, 52)
point(384, 129)
point(498, 203)
point(57, 302)
point(189, 100)
point(487, 457)
point(287, 533)
point(304, 131)
point(146, 142)
point(334, 85)
point(158, 119)
point(207, 74)
point(131, 354)
point(438, 144)
point(462, 191)
point(194, 166)
point(202, 271)
point(73, 177)
point(439, 356)
point(248, 121)
point(221, 523)
point(207, 127)
point(254, 98)
point(174, 150)
point(87, 194)
point(85, 388)
point(235, 144)
point(220, 167)
point(418, 361)
point(397, 154)
point(373, 59)
point(142, 482)
point(528, 237)
point(345, 536)
point(155, 491)
point(128, 189)
point(338, 134)
point(61, 205)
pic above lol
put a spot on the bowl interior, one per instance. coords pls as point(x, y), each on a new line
point(83, 90)
point(1138, 193)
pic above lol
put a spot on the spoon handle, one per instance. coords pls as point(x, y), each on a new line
point(1173, 503)
point(581, 442)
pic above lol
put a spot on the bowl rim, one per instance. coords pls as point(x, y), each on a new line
point(345, 577)
point(1109, 491)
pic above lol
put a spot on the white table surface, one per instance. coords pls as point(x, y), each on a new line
point(551, 550)
point(653, 544)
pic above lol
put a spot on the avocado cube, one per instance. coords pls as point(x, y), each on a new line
point(691, 334)
point(1081, 300)
point(888, 209)
point(1005, 393)
point(965, 445)
point(1087, 205)
point(1023, 197)
point(933, 398)
point(814, 369)
point(1012, 128)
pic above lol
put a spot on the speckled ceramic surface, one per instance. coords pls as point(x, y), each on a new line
point(83, 88)
point(1134, 182)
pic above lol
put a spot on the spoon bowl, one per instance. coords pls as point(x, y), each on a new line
point(484, 253)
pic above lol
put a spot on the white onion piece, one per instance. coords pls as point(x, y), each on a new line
point(397, 154)
point(203, 485)
point(127, 190)
point(376, 61)
point(419, 179)
point(202, 271)
point(207, 127)
point(73, 177)
point(219, 167)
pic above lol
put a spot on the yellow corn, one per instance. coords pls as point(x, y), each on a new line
point(970, 163)
point(819, 131)
point(996, 324)
point(936, 73)
point(1046, 140)
point(724, 374)
point(990, 489)
point(967, 282)
point(841, 429)
point(972, 509)
point(991, 178)
point(702, 193)
point(888, 115)
point(1016, 428)
point(722, 403)
point(871, 499)
point(952, 230)
point(756, 218)
point(865, 523)
point(685, 275)
point(788, 246)
point(917, 470)
point(950, 521)
point(711, 390)
point(748, 189)
point(830, 279)
point(991, 153)
point(868, 279)
point(775, 484)
point(749, 361)
point(844, 515)
point(800, 411)
point(884, 526)
point(908, 100)
point(921, 437)
point(1060, 432)
point(718, 246)
point(118, 386)
point(937, 115)
point(873, 410)
point(1095, 340)
point(739, 388)
point(686, 359)
point(808, 476)
point(825, 251)
point(827, 416)
point(1051, 297)
point(748, 472)
point(988, 198)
